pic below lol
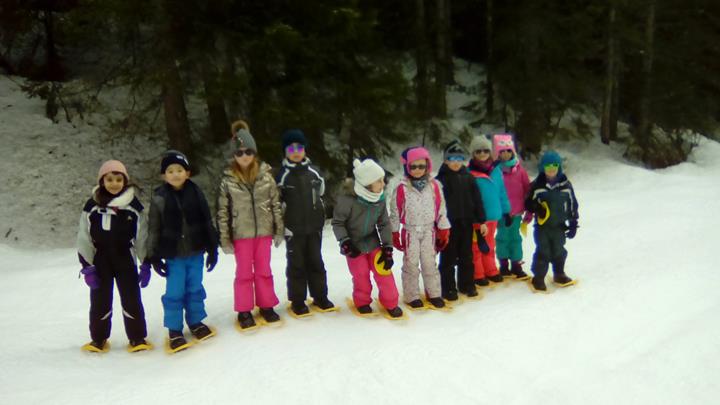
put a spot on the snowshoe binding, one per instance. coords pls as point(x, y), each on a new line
point(201, 332)
point(97, 346)
point(139, 346)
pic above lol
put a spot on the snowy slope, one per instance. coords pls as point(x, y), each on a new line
point(639, 328)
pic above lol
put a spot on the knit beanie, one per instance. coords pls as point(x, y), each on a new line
point(367, 171)
point(412, 154)
point(112, 166)
point(243, 139)
point(173, 157)
point(480, 142)
point(292, 136)
point(550, 157)
point(454, 149)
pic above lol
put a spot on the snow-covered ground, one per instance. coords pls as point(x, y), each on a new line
point(641, 326)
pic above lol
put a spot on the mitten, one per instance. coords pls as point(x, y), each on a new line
point(144, 276)
point(507, 220)
point(347, 248)
point(278, 239)
point(159, 266)
point(397, 242)
point(386, 257)
point(211, 260)
point(481, 242)
point(442, 237)
point(91, 277)
point(571, 229)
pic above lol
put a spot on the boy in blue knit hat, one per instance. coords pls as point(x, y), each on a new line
point(552, 200)
point(301, 190)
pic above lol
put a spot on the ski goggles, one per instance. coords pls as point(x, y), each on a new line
point(243, 152)
point(294, 148)
point(552, 166)
point(417, 167)
point(456, 158)
point(479, 151)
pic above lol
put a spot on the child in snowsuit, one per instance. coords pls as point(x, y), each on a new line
point(249, 218)
point(552, 200)
point(497, 207)
point(467, 218)
point(181, 232)
point(361, 226)
point(418, 206)
point(111, 234)
point(301, 191)
point(517, 185)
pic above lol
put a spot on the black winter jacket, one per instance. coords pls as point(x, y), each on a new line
point(462, 195)
point(301, 190)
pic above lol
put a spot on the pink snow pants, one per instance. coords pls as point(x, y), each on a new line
point(360, 268)
point(253, 277)
point(485, 265)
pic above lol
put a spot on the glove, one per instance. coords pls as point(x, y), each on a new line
point(211, 260)
point(386, 258)
point(527, 218)
point(278, 239)
point(91, 277)
point(228, 249)
point(397, 242)
point(482, 228)
point(571, 229)
point(480, 238)
point(347, 248)
point(442, 237)
point(523, 229)
point(159, 266)
point(144, 276)
point(507, 220)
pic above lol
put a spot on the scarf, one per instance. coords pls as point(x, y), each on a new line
point(419, 184)
point(366, 194)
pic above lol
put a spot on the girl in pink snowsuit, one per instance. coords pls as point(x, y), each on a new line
point(517, 185)
point(418, 206)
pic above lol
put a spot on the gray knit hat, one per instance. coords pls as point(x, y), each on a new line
point(480, 142)
point(243, 139)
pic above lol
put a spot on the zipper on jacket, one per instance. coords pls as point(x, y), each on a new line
point(252, 202)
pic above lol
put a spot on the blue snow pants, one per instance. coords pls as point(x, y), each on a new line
point(184, 290)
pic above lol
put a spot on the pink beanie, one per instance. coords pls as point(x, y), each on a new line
point(112, 166)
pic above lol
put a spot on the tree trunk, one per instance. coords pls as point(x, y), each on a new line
point(610, 79)
point(440, 68)
point(53, 67)
point(644, 122)
point(421, 60)
point(176, 120)
point(448, 58)
point(217, 116)
point(489, 90)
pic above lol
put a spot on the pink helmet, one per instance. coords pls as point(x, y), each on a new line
point(503, 142)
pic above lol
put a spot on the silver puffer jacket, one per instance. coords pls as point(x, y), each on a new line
point(248, 211)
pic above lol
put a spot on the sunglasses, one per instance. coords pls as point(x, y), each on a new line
point(552, 166)
point(417, 167)
point(456, 158)
point(295, 148)
point(242, 152)
point(479, 151)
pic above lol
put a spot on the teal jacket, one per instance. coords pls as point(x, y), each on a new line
point(492, 189)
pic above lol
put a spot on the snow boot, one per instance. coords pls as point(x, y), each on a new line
point(518, 272)
point(498, 278)
point(471, 293)
point(246, 320)
point(364, 309)
point(504, 268)
point(538, 284)
point(177, 340)
point(416, 304)
point(299, 308)
point(324, 304)
point(482, 282)
point(437, 302)
point(395, 312)
point(559, 276)
point(200, 331)
point(451, 295)
point(269, 315)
